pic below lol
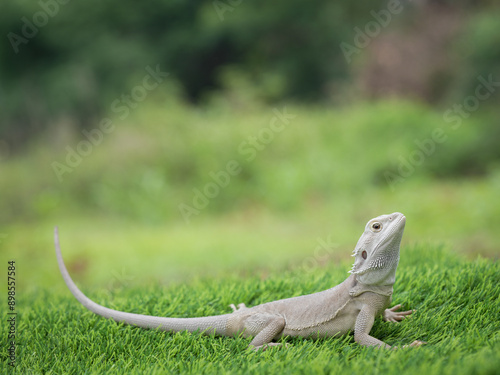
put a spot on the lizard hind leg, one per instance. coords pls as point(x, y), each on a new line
point(241, 306)
point(265, 327)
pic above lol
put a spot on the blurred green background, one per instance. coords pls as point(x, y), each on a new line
point(169, 139)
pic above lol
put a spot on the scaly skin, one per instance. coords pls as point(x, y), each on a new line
point(349, 306)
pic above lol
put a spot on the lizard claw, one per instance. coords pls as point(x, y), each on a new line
point(414, 344)
point(392, 315)
point(417, 343)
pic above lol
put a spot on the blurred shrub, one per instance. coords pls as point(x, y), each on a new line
point(476, 53)
point(91, 53)
point(477, 57)
point(321, 154)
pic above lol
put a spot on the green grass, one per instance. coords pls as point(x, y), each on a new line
point(457, 303)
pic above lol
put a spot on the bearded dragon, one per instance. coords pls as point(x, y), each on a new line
point(350, 306)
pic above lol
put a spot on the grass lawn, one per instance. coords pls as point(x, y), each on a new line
point(457, 302)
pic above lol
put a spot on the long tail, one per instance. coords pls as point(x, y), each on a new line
point(206, 325)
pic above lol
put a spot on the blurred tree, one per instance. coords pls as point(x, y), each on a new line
point(62, 59)
point(71, 59)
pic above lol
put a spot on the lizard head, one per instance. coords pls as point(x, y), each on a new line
point(377, 251)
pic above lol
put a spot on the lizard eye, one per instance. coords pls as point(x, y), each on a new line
point(376, 227)
point(364, 254)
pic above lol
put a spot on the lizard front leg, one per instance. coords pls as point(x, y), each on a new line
point(364, 323)
point(363, 326)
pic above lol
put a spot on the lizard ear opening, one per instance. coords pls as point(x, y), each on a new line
point(364, 254)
